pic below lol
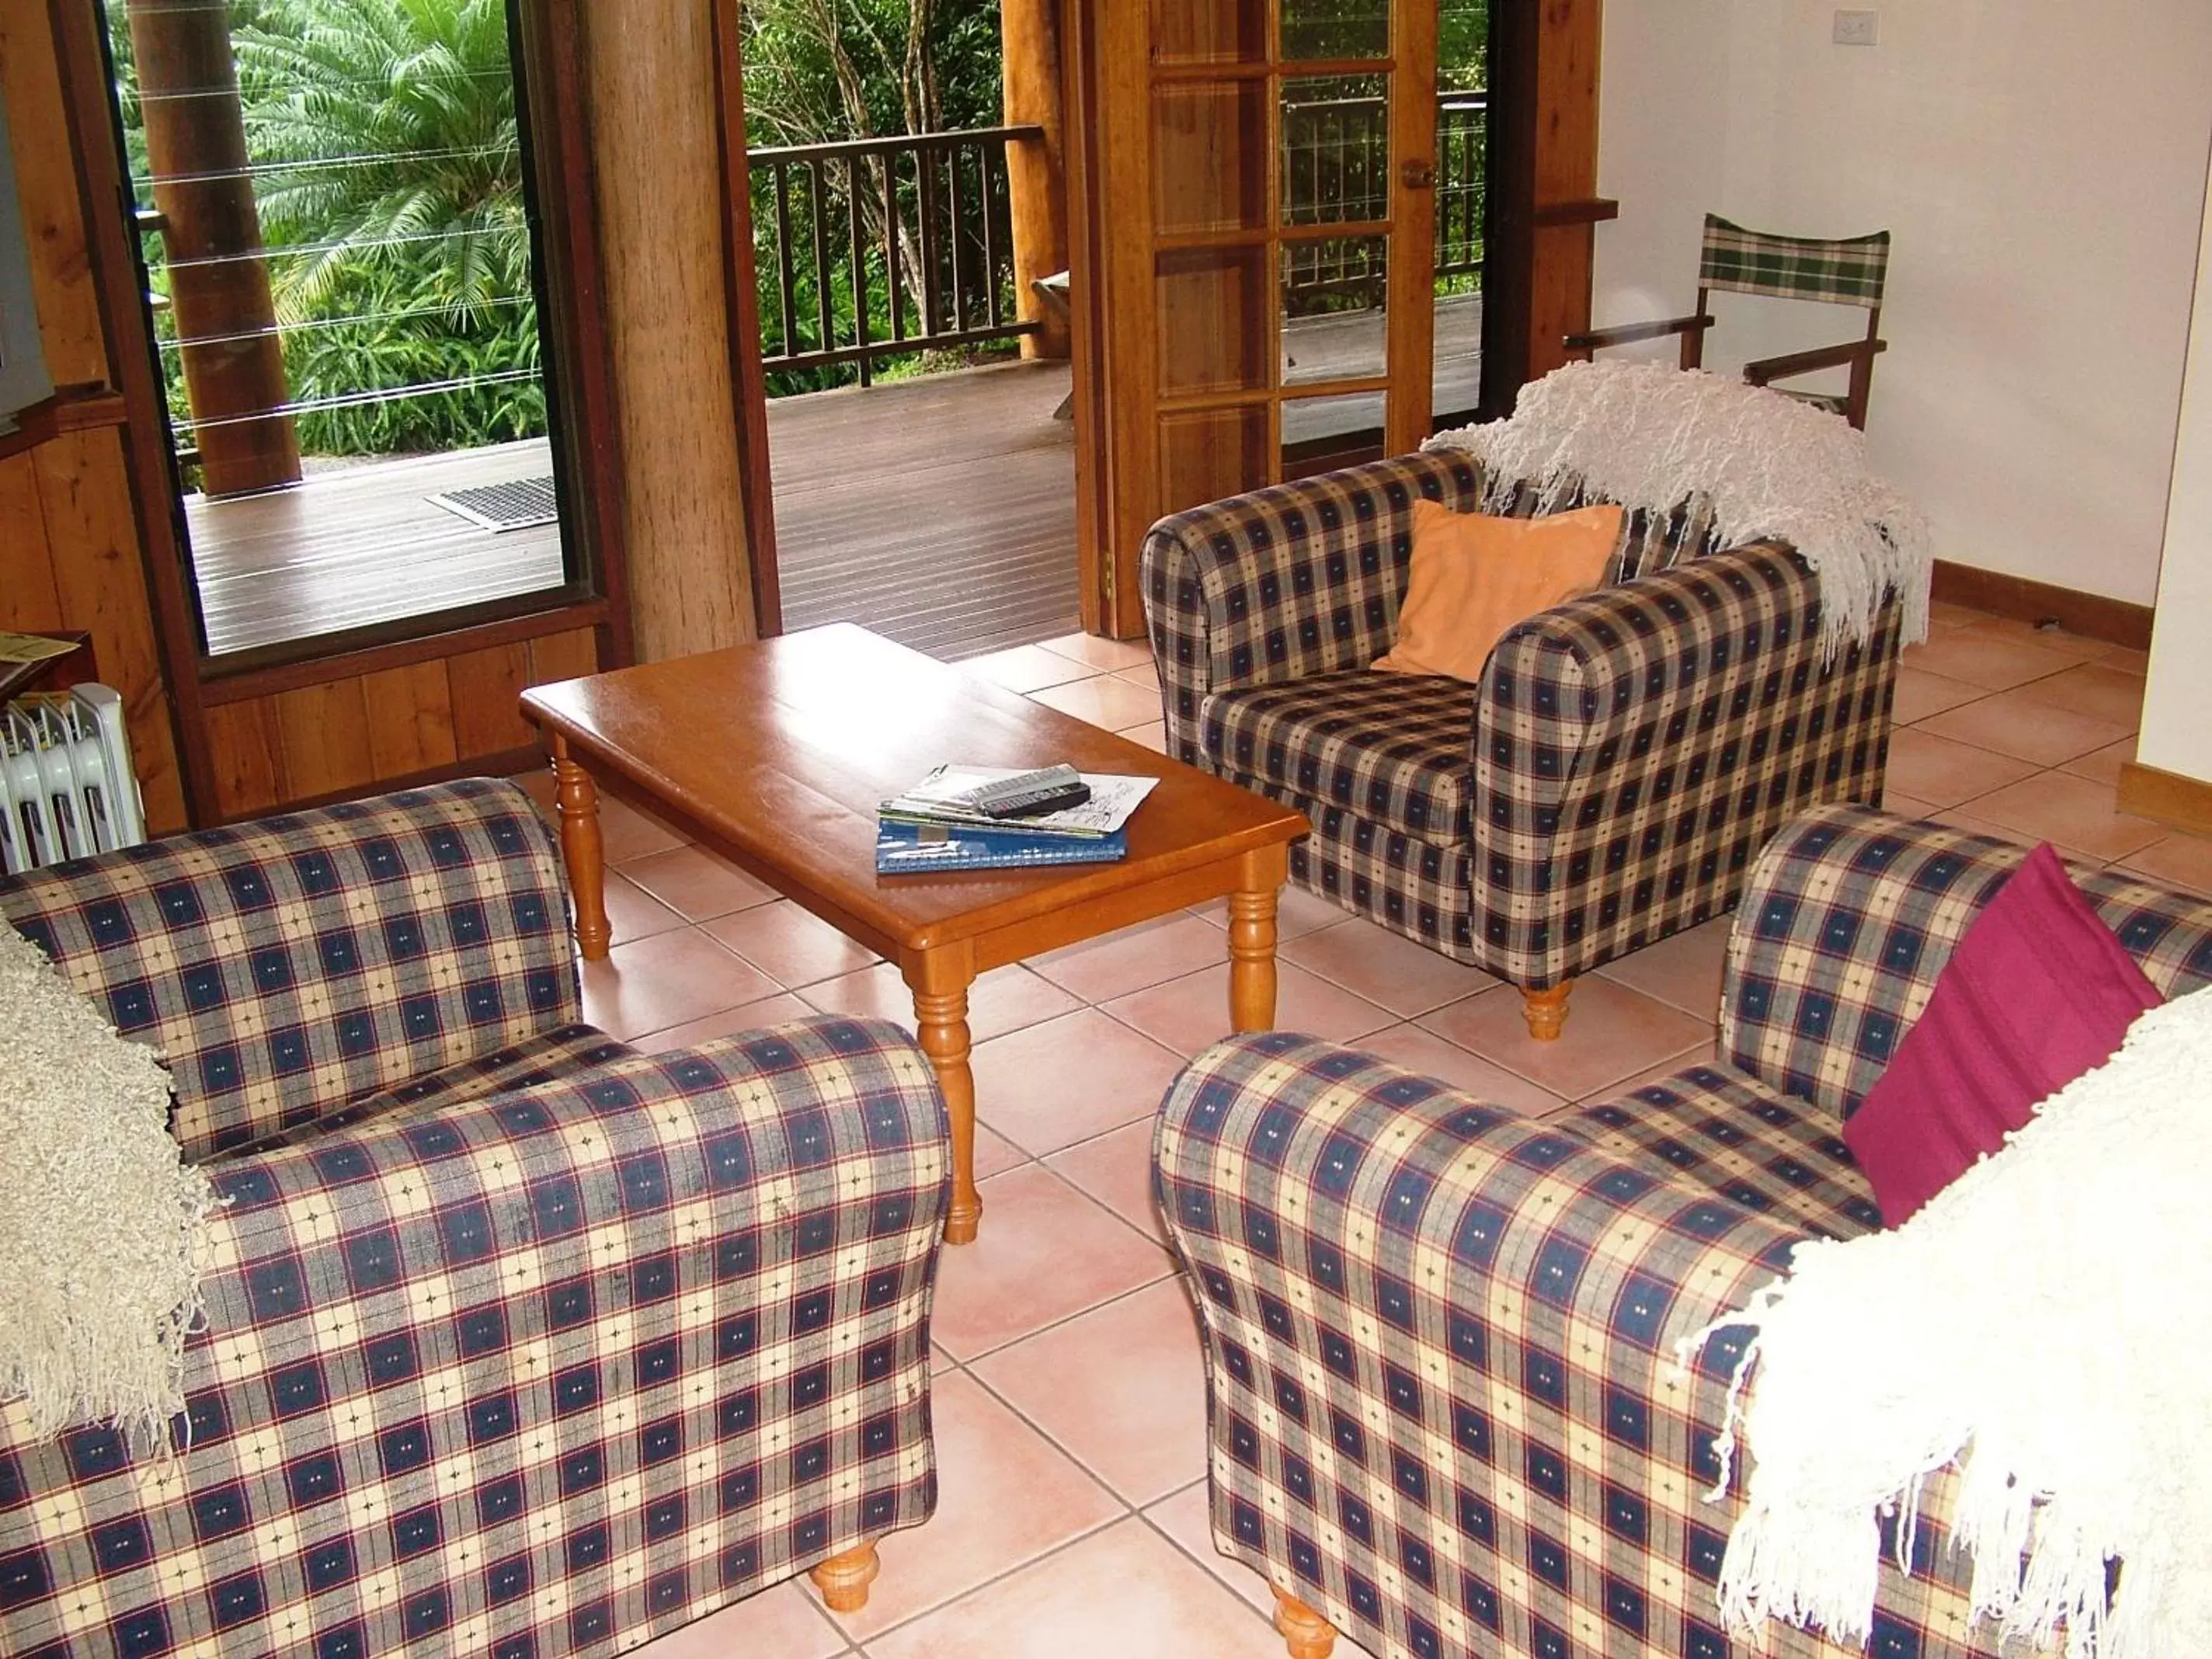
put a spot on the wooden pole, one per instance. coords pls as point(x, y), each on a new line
point(1036, 171)
point(196, 149)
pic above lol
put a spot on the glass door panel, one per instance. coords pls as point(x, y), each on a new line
point(1461, 146)
point(1335, 315)
point(1315, 29)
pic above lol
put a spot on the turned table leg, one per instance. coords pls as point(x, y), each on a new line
point(1252, 940)
point(582, 851)
point(1305, 1633)
point(844, 1579)
point(1546, 1011)
point(939, 983)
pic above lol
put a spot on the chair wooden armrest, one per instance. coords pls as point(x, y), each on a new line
point(1804, 362)
point(1597, 339)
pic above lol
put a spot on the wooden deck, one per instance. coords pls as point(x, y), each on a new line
point(938, 512)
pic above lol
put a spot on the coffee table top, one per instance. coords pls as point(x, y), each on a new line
point(780, 751)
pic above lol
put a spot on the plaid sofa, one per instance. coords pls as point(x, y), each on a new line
point(519, 1343)
point(1608, 782)
point(1444, 1410)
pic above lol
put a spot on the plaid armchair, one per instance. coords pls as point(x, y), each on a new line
point(519, 1342)
point(1608, 782)
point(1444, 1410)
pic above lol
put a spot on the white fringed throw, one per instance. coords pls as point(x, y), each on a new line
point(1762, 464)
point(103, 1225)
point(2045, 1324)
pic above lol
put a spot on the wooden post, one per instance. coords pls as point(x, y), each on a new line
point(1036, 171)
point(650, 67)
point(196, 149)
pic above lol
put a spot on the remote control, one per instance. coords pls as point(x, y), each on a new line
point(1030, 794)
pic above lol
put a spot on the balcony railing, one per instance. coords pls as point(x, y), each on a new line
point(872, 248)
point(1336, 157)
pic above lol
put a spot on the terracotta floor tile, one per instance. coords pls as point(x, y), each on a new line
point(1702, 1055)
point(1937, 770)
point(1133, 957)
point(1906, 806)
point(1387, 968)
point(2103, 765)
point(1117, 1168)
point(1296, 911)
point(698, 885)
point(2177, 861)
point(994, 1153)
point(1920, 694)
point(1005, 999)
point(2079, 647)
point(1183, 1518)
point(780, 1009)
point(1005, 1495)
point(1978, 659)
point(1146, 676)
point(1046, 1253)
point(2095, 688)
point(1426, 1052)
point(1683, 969)
point(2127, 657)
point(1104, 655)
point(1025, 668)
point(2014, 723)
point(1102, 701)
point(1152, 735)
point(669, 979)
point(1958, 817)
point(793, 946)
point(626, 833)
point(786, 1619)
point(1622, 1032)
point(537, 784)
point(1051, 1085)
point(1191, 1014)
point(1122, 1389)
point(1124, 1592)
point(2075, 813)
point(633, 913)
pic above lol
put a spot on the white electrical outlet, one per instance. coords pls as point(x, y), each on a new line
point(1857, 28)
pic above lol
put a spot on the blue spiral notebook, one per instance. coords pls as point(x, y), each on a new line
point(920, 848)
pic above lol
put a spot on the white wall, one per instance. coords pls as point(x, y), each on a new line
point(2042, 166)
point(2177, 723)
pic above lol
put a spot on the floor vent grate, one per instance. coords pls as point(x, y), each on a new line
point(517, 505)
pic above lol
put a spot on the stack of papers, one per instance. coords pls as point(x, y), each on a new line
point(927, 828)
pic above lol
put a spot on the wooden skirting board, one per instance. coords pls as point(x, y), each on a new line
point(2091, 614)
point(2151, 792)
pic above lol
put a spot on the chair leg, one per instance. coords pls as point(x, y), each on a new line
point(1546, 1011)
point(844, 1579)
point(1305, 1632)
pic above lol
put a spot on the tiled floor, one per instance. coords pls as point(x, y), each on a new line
point(1070, 1407)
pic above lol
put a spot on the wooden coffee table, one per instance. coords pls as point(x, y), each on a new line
point(777, 754)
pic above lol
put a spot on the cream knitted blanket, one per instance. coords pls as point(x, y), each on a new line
point(1760, 463)
point(102, 1223)
point(2045, 1325)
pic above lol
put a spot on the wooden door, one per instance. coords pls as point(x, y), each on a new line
point(1257, 216)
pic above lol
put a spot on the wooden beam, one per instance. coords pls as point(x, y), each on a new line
point(1036, 174)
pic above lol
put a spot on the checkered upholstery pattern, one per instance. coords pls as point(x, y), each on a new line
point(1442, 1404)
point(296, 962)
point(545, 1351)
point(1846, 271)
point(1852, 914)
point(1617, 769)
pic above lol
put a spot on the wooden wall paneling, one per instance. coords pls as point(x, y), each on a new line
point(487, 688)
point(411, 719)
point(246, 753)
point(563, 656)
point(85, 497)
point(1565, 165)
point(28, 598)
point(46, 187)
point(324, 730)
point(650, 69)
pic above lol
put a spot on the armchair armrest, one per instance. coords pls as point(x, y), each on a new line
point(1597, 339)
point(670, 1314)
point(1850, 913)
point(287, 965)
point(1635, 747)
point(1764, 369)
point(1297, 579)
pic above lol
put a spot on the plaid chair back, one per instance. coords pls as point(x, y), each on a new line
point(288, 965)
point(1847, 270)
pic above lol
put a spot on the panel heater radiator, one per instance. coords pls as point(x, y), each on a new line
point(66, 785)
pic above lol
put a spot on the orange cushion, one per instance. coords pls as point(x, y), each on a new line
point(1474, 576)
